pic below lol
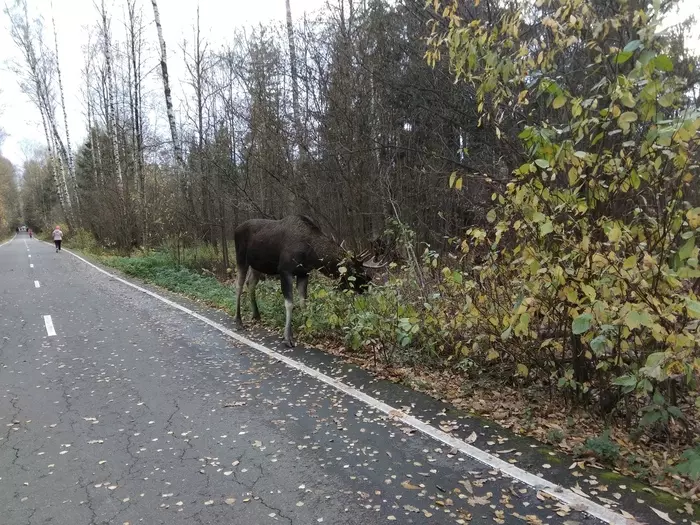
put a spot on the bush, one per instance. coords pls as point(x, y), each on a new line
point(603, 447)
point(588, 275)
point(82, 240)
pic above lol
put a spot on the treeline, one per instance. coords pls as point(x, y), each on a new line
point(9, 196)
point(337, 116)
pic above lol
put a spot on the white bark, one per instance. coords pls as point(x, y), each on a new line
point(177, 150)
point(295, 78)
point(51, 164)
point(38, 89)
point(69, 151)
point(111, 113)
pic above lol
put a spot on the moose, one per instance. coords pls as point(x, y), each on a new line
point(292, 247)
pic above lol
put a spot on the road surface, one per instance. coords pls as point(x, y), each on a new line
point(117, 408)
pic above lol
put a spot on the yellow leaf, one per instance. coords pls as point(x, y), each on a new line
point(573, 176)
point(630, 262)
point(458, 183)
point(589, 291)
point(614, 234)
point(492, 355)
point(559, 101)
point(693, 217)
point(627, 100)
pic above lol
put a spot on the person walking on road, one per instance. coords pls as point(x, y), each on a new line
point(30, 233)
point(57, 238)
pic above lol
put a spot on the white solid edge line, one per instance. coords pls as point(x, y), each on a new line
point(49, 326)
point(36, 284)
point(567, 496)
point(8, 242)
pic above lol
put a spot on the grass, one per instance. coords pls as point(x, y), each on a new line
point(161, 269)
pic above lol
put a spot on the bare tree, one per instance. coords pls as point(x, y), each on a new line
point(111, 111)
point(69, 150)
point(36, 82)
point(134, 43)
point(295, 80)
point(177, 149)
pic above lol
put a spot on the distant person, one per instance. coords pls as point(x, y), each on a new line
point(57, 238)
point(17, 230)
point(30, 232)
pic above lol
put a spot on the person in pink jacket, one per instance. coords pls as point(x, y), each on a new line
point(57, 238)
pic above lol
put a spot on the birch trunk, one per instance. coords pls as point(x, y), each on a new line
point(111, 117)
point(177, 150)
point(51, 163)
point(137, 115)
point(69, 151)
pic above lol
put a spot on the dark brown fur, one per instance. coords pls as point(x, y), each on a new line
point(290, 247)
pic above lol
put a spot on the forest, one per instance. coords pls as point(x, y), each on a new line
point(527, 168)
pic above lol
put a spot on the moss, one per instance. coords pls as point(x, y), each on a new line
point(551, 455)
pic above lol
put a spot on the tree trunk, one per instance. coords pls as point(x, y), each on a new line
point(111, 113)
point(137, 126)
point(177, 150)
point(69, 151)
point(52, 165)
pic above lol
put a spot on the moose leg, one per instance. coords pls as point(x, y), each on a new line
point(240, 281)
point(287, 281)
point(302, 285)
point(253, 279)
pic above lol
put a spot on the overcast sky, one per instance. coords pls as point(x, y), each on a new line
point(20, 118)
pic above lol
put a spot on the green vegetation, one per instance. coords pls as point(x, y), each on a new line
point(603, 447)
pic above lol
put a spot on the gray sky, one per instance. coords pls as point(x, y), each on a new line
point(20, 118)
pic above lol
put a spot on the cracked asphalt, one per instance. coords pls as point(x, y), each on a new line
point(135, 412)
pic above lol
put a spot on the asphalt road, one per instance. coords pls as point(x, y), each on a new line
point(135, 412)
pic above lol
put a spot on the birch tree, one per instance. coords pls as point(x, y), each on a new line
point(177, 149)
point(68, 148)
point(134, 46)
point(111, 111)
point(36, 82)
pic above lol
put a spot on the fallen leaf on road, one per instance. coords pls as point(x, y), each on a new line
point(664, 516)
point(468, 486)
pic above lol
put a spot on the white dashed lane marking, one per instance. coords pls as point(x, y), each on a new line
point(31, 266)
point(36, 284)
point(49, 326)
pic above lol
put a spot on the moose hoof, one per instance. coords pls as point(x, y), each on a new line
point(256, 316)
point(289, 343)
point(238, 323)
